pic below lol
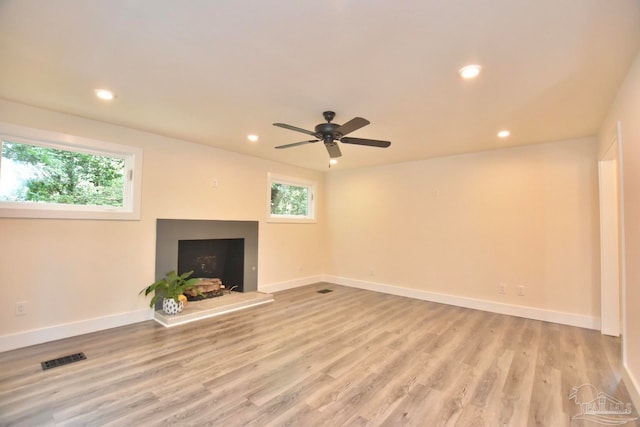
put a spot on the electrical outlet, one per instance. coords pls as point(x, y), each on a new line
point(521, 290)
point(21, 308)
point(502, 289)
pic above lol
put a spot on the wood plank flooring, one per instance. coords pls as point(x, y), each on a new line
point(350, 357)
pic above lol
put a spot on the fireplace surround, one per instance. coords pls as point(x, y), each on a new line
point(241, 235)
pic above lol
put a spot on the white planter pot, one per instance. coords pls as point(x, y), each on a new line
point(169, 306)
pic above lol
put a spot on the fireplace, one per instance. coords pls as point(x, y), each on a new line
point(227, 250)
point(214, 259)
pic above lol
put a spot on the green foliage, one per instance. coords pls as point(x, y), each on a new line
point(289, 199)
point(68, 177)
point(170, 286)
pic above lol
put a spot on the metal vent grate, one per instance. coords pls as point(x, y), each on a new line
point(325, 291)
point(65, 360)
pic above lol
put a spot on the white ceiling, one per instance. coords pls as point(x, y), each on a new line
point(212, 72)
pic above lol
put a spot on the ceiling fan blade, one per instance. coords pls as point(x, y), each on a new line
point(352, 125)
point(295, 144)
point(286, 126)
point(333, 149)
point(368, 142)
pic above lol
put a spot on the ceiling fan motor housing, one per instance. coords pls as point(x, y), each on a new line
point(325, 130)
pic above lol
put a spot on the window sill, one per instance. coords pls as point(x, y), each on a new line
point(291, 220)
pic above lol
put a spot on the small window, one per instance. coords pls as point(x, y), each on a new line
point(51, 175)
point(291, 199)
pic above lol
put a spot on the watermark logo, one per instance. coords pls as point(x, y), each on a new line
point(600, 407)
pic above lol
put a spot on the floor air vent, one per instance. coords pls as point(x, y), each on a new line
point(65, 360)
point(325, 291)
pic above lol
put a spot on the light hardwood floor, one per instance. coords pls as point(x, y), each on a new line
point(349, 357)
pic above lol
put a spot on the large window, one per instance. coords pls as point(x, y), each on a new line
point(52, 175)
point(291, 199)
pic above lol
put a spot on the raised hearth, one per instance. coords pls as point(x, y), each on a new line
point(211, 307)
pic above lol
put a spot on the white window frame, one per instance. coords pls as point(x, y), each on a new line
point(298, 182)
point(132, 187)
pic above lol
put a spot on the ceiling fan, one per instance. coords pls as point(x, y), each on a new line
point(330, 133)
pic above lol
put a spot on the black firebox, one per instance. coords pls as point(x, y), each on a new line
point(214, 258)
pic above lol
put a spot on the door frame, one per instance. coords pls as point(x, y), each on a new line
point(612, 287)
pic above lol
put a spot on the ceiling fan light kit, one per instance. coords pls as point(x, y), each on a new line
point(332, 133)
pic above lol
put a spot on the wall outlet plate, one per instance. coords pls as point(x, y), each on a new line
point(21, 308)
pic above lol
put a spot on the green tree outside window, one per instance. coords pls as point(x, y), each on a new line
point(289, 200)
point(51, 175)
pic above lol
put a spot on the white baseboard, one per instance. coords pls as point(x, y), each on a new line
point(52, 333)
point(66, 330)
point(633, 386)
point(563, 318)
point(290, 284)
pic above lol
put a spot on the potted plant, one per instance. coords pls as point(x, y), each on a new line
point(170, 288)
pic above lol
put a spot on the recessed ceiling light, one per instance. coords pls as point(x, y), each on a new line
point(333, 162)
point(105, 94)
point(252, 138)
point(469, 71)
point(503, 134)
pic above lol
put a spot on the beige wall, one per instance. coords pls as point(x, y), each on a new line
point(626, 109)
point(76, 270)
point(462, 225)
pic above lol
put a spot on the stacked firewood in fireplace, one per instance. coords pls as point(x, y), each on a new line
point(207, 287)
